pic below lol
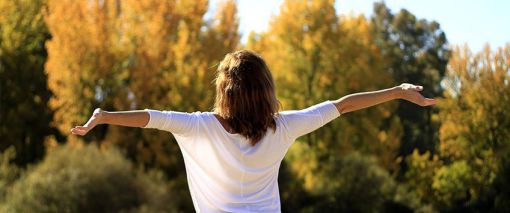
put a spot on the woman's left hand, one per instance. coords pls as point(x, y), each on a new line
point(411, 93)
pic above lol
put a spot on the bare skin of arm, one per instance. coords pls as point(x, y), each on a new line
point(135, 118)
point(349, 103)
point(363, 100)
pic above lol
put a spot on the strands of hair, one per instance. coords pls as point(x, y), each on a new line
point(245, 95)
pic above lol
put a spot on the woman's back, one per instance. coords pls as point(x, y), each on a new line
point(225, 172)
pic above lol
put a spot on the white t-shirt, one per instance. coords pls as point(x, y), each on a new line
point(227, 174)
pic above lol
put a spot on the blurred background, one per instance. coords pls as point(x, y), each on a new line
point(60, 59)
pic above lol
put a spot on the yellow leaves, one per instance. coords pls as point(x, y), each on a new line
point(304, 164)
point(146, 24)
point(80, 53)
point(183, 47)
point(192, 10)
point(227, 22)
point(475, 111)
point(474, 116)
point(454, 149)
point(122, 55)
point(357, 28)
point(423, 161)
point(449, 182)
point(382, 136)
point(19, 26)
point(314, 56)
point(422, 168)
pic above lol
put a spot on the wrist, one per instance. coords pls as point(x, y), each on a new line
point(397, 92)
point(102, 117)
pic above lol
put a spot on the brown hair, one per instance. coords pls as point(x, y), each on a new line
point(245, 95)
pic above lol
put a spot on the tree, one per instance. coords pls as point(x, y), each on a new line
point(470, 160)
point(82, 66)
point(24, 95)
point(417, 52)
point(223, 35)
point(477, 95)
point(315, 56)
point(135, 54)
point(171, 68)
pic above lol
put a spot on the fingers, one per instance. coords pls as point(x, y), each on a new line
point(425, 101)
point(406, 86)
point(415, 97)
point(97, 110)
point(429, 101)
point(411, 93)
point(422, 101)
point(79, 130)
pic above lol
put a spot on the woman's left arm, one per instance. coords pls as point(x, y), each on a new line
point(363, 100)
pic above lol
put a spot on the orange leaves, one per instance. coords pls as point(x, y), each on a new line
point(80, 53)
point(121, 55)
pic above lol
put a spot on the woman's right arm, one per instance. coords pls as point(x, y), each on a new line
point(136, 118)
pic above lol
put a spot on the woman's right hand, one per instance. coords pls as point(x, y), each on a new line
point(94, 120)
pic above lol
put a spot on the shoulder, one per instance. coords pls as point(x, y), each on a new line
point(203, 117)
point(282, 118)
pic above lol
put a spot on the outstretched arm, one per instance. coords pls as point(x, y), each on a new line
point(137, 118)
point(363, 100)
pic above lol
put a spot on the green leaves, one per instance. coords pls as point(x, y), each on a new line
point(86, 179)
point(24, 95)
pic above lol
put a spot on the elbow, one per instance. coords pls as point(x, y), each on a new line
point(345, 109)
point(342, 107)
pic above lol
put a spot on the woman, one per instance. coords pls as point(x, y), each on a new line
point(232, 155)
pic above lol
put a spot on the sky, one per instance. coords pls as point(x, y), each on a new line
point(472, 22)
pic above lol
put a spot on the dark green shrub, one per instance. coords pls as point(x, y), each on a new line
point(86, 179)
point(354, 183)
point(9, 172)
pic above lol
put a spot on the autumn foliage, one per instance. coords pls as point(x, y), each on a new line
point(60, 59)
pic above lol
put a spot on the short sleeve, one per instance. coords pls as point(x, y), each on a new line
point(180, 123)
point(301, 122)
